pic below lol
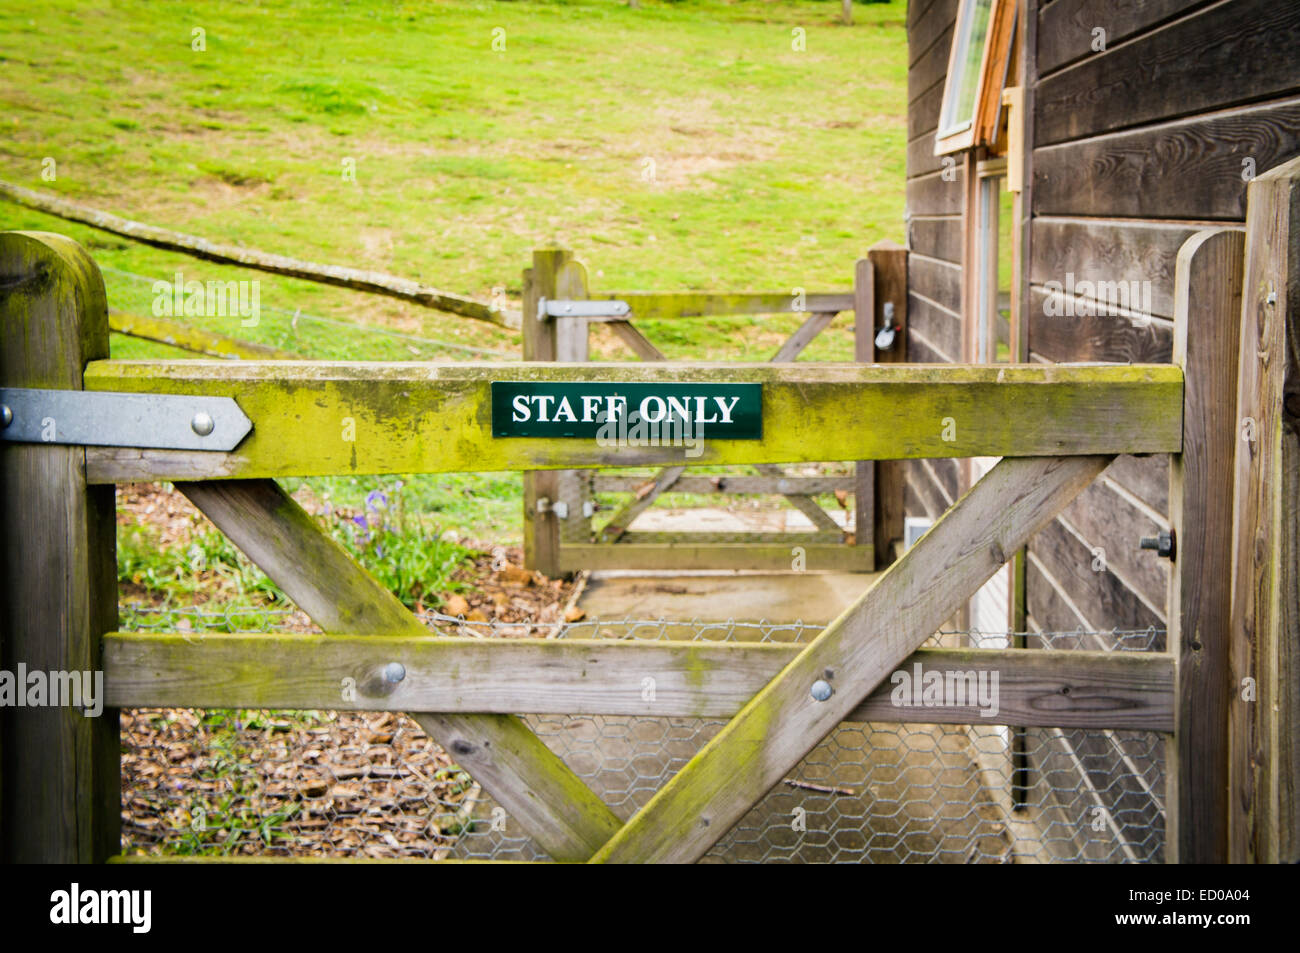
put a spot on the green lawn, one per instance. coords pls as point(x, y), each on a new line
point(774, 168)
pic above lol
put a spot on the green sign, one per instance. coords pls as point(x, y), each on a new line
point(627, 412)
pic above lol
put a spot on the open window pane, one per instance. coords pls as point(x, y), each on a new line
point(977, 72)
point(960, 95)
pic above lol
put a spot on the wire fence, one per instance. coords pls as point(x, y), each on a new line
point(372, 784)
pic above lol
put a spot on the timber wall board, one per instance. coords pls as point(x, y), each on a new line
point(1135, 147)
point(935, 190)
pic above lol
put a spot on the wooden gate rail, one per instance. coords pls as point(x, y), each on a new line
point(1036, 687)
point(435, 418)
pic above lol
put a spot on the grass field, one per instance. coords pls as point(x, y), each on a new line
point(773, 167)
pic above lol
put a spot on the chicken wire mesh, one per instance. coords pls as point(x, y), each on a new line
point(372, 784)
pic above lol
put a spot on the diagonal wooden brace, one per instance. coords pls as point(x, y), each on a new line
point(528, 779)
point(854, 654)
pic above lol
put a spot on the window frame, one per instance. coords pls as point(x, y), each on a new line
point(981, 128)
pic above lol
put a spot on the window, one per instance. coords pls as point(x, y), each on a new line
point(994, 250)
point(977, 72)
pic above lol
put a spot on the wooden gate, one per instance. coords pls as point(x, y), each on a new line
point(1056, 428)
point(559, 534)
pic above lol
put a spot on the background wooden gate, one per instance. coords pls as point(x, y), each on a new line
point(560, 531)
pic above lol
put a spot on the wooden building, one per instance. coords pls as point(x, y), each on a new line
point(1060, 153)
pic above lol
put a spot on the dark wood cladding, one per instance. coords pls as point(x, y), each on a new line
point(1092, 250)
point(935, 190)
point(939, 327)
point(940, 281)
point(936, 238)
point(1191, 168)
point(1066, 30)
point(1234, 52)
point(1097, 337)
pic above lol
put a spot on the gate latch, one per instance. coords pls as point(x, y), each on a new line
point(102, 419)
point(566, 308)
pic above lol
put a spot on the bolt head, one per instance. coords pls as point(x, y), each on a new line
point(394, 672)
point(6, 415)
point(202, 424)
point(821, 690)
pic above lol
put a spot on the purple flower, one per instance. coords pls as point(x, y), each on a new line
point(376, 500)
point(364, 524)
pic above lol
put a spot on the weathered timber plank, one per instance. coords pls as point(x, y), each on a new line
point(1225, 54)
point(1065, 30)
point(1095, 332)
point(691, 304)
point(864, 350)
point(1103, 598)
point(1146, 477)
point(921, 159)
point(936, 237)
point(621, 521)
point(572, 344)
point(802, 502)
point(890, 288)
point(1189, 168)
point(936, 324)
point(706, 537)
point(411, 418)
point(803, 336)
point(636, 341)
point(1265, 628)
point(719, 555)
point(770, 557)
point(855, 653)
point(1068, 251)
point(503, 755)
point(604, 677)
point(923, 113)
point(541, 529)
point(940, 281)
point(610, 483)
point(936, 193)
point(59, 783)
point(1206, 332)
point(930, 67)
point(930, 23)
point(1107, 519)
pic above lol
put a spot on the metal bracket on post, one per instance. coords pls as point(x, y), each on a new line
point(101, 419)
point(562, 308)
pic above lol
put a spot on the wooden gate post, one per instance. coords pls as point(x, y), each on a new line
point(572, 341)
point(1264, 750)
point(61, 797)
point(1207, 309)
point(540, 342)
point(889, 263)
